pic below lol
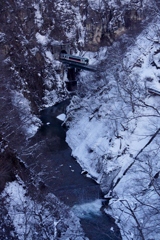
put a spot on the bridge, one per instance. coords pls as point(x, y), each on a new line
point(72, 64)
point(90, 68)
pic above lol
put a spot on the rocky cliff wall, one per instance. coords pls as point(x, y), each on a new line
point(31, 33)
point(31, 30)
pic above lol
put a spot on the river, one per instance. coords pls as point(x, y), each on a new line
point(62, 176)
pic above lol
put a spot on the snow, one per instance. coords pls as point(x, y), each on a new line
point(134, 194)
point(91, 142)
point(30, 122)
point(34, 50)
point(96, 4)
point(38, 16)
point(43, 39)
point(62, 117)
point(2, 36)
point(39, 220)
point(156, 59)
point(113, 3)
point(111, 128)
point(17, 202)
point(49, 55)
point(100, 4)
point(50, 98)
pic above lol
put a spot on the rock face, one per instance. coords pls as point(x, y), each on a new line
point(31, 34)
point(106, 22)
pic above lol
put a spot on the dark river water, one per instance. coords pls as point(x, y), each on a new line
point(62, 176)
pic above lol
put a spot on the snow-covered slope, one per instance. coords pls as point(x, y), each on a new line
point(114, 131)
point(38, 220)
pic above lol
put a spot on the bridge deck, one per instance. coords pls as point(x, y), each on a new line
point(79, 66)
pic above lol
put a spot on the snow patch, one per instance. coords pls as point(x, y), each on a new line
point(2, 37)
point(42, 39)
point(30, 122)
point(38, 16)
point(62, 117)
